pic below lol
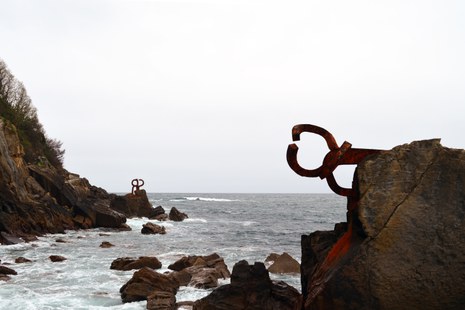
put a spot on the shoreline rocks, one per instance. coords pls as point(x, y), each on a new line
point(283, 263)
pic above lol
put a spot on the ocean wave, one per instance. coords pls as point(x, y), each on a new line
point(195, 220)
point(209, 199)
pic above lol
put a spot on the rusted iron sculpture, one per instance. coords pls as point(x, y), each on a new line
point(337, 155)
point(136, 186)
point(343, 155)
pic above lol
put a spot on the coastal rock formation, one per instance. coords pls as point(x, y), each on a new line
point(251, 288)
point(106, 244)
point(22, 260)
point(128, 263)
point(284, 263)
point(176, 215)
point(135, 205)
point(404, 247)
point(211, 261)
point(199, 271)
point(39, 198)
point(152, 229)
point(57, 258)
point(147, 282)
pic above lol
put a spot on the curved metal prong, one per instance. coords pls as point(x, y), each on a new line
point(298, 129)
point(291, 155)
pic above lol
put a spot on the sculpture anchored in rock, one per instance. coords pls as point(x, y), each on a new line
point(343, 155)
point(136, 186)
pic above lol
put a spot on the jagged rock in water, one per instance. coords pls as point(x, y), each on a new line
point(284, 263)
point(152, 229)
point(176, 215)
point(407, 248)
point(146, 282)
point(6, 271)
point(21, 260)
point(128, 263)
point(251, 288)
point(57, 258)
point(136, 205)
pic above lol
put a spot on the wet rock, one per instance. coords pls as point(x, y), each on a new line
point(284, 263)
point(152, 229)
point(406, 250)
point(147, 282)
point(211, 261)
point(272, 257)
point(21, 260)
point(6, 271)
point(161, 300)
point(176, 215)
point(106, 244)
point(129, 263)
point(184, 305)
point(61, 240)
point(57, 258)
point(251, 288)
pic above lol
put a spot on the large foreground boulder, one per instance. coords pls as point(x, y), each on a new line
point(405, 247)
point(251, 288)
point(129, 263)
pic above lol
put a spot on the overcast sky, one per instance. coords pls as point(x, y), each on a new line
point(201, 96)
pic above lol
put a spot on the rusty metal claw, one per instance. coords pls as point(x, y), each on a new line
point(343, 155)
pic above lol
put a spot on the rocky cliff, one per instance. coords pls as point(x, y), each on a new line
point(405, 245)
point(38, 199)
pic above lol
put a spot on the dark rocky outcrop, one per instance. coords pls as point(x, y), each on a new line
point(152, 229)
point(22, 260)
point(40, 198)
point(7, 271)
point(136, 205)
point(199, 271)
point(284, 263)
point(251, 288)
point(106, 245)
point(176, 215)
point(129, 263)
point(404, 247)
point(147, 282)
point(57, 258)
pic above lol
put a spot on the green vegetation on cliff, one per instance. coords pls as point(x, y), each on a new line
point(16, 107)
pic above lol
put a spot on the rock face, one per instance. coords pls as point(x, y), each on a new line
point(136, 205)
point(38, 199)
point(251, 288)
point(410, 249)
point(284, 263)
point(147, 282)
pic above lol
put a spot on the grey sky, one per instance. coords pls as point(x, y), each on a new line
point(201, 96)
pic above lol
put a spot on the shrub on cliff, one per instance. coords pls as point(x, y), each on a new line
point(16, 107)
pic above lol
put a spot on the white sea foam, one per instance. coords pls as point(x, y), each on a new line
point(209, 199)
point(195, 220)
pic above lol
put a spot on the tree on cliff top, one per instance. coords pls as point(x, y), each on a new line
point(16, 107)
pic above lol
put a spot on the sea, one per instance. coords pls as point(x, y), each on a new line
point(236, 226)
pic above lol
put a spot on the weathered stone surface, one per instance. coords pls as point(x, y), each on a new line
point(146, 282)
point(135, 205)
point(412, 253)
point(211, 261)
point(57, 258)
point(251, 288)
point(129, 263)
point(152, 229)
point(284, 263)
point(176, 215)
point(161, 300)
